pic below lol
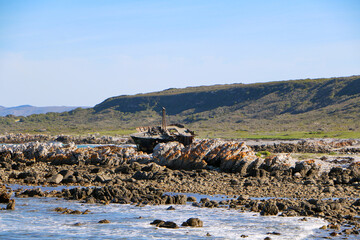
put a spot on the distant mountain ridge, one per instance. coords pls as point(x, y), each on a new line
point(26, 110)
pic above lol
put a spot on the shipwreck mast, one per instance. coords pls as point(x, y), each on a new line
point(163, 122)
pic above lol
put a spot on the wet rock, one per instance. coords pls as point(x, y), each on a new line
point(191, 199)
point(86, 211)
point(269, 209)
point(193, 222)
point(156, 222)
point(170, 208)
point(243, 198)
point(104, 221)
point(76, 212)
point(4, 195)
point(37, 192)
point(334, 226)
point(11, 205)
point(167, 224)
point(204, 200)
point(60, 209)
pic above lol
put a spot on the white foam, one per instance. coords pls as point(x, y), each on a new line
point(34, 218)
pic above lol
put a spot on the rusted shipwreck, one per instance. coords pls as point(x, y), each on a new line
point(147, 137)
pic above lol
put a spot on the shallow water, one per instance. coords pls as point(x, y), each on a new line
point(34, 218)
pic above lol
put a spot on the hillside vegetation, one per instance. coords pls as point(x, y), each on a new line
point(286, 109)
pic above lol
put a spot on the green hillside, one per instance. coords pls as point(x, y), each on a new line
point(288, 109)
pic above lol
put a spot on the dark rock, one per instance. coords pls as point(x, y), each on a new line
point(37, 192)
point(170, 208)
point(152, 167)
point(86, 211)
point(60, 209)
point(356, 203)
point(104, 221)
point(11, 205)
point(66, 173)
point(70, 179)
point(4, 195)
point(191, 199)
point(156, 222)
point(243, 197)
point(204, 200)
point(193, 222)
point(102, 178)
point(168, 224)
point(75, 212)
point(269, 209)
point(140, 175)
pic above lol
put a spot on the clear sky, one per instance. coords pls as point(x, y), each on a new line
point(78, 53)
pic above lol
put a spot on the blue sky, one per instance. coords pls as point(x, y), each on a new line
point(78, 53)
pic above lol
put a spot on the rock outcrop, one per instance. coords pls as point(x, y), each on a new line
point(225, 155)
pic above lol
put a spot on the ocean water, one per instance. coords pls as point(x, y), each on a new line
point(34, 218)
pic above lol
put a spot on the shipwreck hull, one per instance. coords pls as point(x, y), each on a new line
point(148, 137)
point(147, 144)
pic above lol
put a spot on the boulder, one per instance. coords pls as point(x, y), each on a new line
point(37, 192)
point(11, 205)
point(281, 162)
point(355, 171)
point(104, 221)
point(191, 199)
point(269, 209)
point(168, 224)
point(175, 156)
point(193, 222)
point(226, 155)
point(102, 178)
point(156, 222)
point(56, 178)
point(307, 168)
point(4, 195)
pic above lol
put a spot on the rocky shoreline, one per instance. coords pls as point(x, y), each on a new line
point(327, 186)
point(20, 138)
